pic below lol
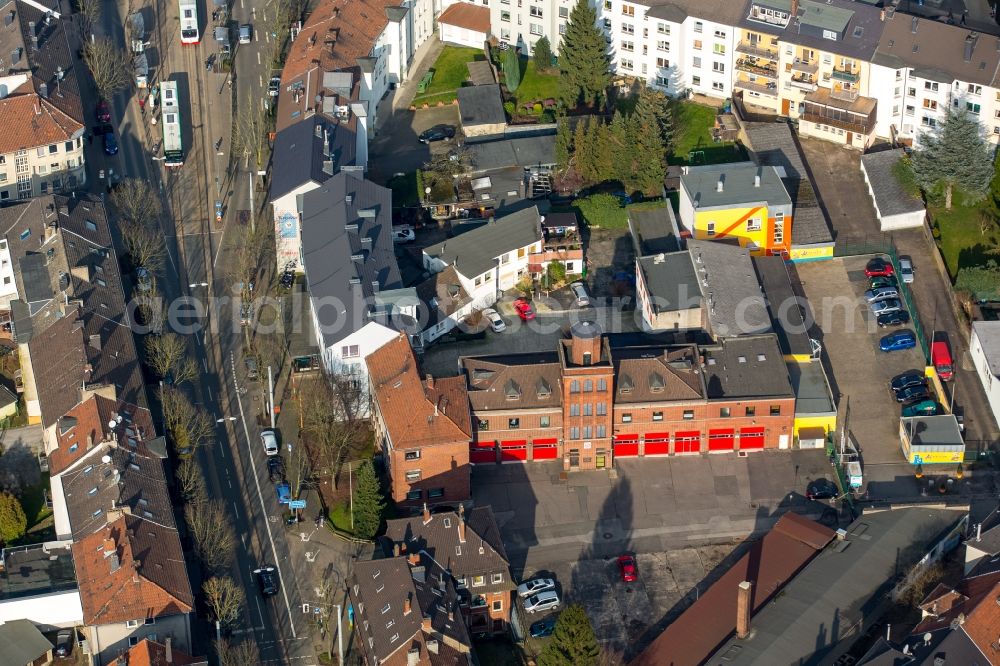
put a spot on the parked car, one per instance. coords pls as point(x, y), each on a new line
point(941, 358)
point(403, 234)
point(534, 586)
point(898, 318)
point(267, 581)
point(437, 133)
point(627, 567)
point(888, 305)
point(898, 341)
point(143, 279)
point(822, 489)
point(883, 281)
point(912, 394)
point(881, 294)
point(284, 492)
point(270, 441)
point(879, 267)
point(103, 112)
point(906, 269)
point(250, 363)
point(275, 469)
point(922, 408)
point(580, 293)
point(496, 321)
point(544, 627)
point(246, 33)
point(287, 279)
point(906, 380)
point(524, 309)
point(542, 601)
point(110, 142)
point(64, 642)
point(273, 86)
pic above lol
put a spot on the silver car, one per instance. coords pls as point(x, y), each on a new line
point(906, 269)
point(580, 292)
point(270, 441)
point(496, 321)
point(886, 306)
point(534, 586)
point(542, 601)
point(881, 294)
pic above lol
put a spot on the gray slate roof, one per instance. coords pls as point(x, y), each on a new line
point(300, 156)
point(726, 12)
point(21, 642)
point(520, 152)
point(784, 307)
point(746, 366)
point(672, 281)
point(473, 252)
point(733, 295)
point(988, 333)
point(890, 197)
point(652, 231)
point(328, 247)
point(939, 430)
point(380, 588)
point(842, 587)
point(812, 393)
point(738, 186)
point(481, 105)
point(841, 16)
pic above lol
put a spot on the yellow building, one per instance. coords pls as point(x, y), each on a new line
point(809, 60)
point(739, 202)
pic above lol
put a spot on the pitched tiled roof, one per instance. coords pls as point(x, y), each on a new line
point(382, 589)
point(415, 412)
point(467, 15)
point(59, 366)
point(655, 374)
point(33, 121)
point(442, 294)
point(536, 375)
point(151, 653)
point(480, 554)
point(132, 569)
point(86, 426)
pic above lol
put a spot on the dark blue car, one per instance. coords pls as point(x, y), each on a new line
point(110, 143)
point(898, 341)
point(284, 492)
point(543, 628)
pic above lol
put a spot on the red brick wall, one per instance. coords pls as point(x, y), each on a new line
point(441, 466)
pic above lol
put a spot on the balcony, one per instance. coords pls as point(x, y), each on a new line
point(824, 108)
point(803, 83)
point(754, 49)
point(770, 89)
point(750, 65)
point(845, 75)
point(843, 94)
point(807, 66)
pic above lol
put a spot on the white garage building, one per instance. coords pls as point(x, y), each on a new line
point(984, 347)
point(895, 207)
point(465, 24)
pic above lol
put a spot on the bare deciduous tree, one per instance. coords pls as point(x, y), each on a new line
point(150, 310)
point(136, 201)
point(144, 245)
point(188, 426)
point(299, 470)
point(213, 535)
point(249, 128)
point(110, 66)
point(331, 406)
point(167, 355)
point(236, 654)
point(191, 483)
point(89, 12)
point(225, 599)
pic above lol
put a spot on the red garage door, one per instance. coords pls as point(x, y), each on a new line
point(721, 440)
point(514, 450)
point(687, 442)
point(482, 453)
point(544, 449)
point(626, 445)
point(657, 443)
point(751, 438)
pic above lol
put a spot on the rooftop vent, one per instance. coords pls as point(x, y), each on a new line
point(913, 25)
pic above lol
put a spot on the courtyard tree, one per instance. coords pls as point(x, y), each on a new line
point(583, 62)
point(109, 65)
point(511, 69)
point(542, 55)
point(954, 157)
point(648, 139)
point(13, 522)
point(225, 599)
point(368, 501)
point(573, 641)
point(331, 407)
point(982, 283)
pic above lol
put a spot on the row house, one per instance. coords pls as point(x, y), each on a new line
point(809, 61)
point(678, 47)
point(588, 403)
point(923, 67)
point(422, 427)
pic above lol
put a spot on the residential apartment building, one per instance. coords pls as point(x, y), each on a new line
point(521, 23)
point(922, 67)
point(41, 151)
point(588, 403)
point(468, 546)
point(739, 202)
point(422, 426)
point(677, 46)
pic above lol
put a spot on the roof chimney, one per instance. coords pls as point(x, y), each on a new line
point(43, 88)
point(756, 176)
point(795, 8)
point(406, 606)
point(427, 514)
point(414, 559)
point(881, 16)
point(169, 650)
point(743, 609)
point(913, 25)
point(461, 523)
point(970, 43)
point(430, 381)
point(395, 550)
point(719, 185)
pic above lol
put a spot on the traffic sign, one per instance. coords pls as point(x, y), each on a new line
point(297, 504)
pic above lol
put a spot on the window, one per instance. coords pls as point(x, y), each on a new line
point(505, 16)
point(912, 92)
point(574, 409)
point(710, 228)
point(657, 416)
point(696, 62)
point(602, 409)
point(505, 36)
point(588, 385)
point(930, 104)
point(627, 46)
point(54, 148)
point(753, 224)
point(720, 34)
point(562, 28)
point(412, 455)
point(697, 45)
point(602, 385)
point(626, 64)
point(3, 177)
point(350, 351)
point(75, 445)
point(662, 45)
point(133, 641)
point(434, 493)
point(975, 90)
point(484, 424)
point(513, 424)
point(628, 10)
point(574, 386)
point(414, 495)
point(696, 80)
point(574, 433)
point(535, 29)
point(698, 26)
point(479, 281)
point(719, 67)
point(830, 34)
point(131, 624)
point(688, 414)
point(910, 109)
point(563, 12)
point(535, 11)
point(68, 146)
point(607, 4)
point(149, 621)
point(628, 28)
point(543, 422)
point(931, 85)
point(627, 417)
point(974, 108)
point(588, 432)
point(719, 49)
point(724, 412)
point(663, 28)
point(588, 409)
point(927, 121)
point(663, 62)
point(775, 410)
point(488, 277)
point(896, 92)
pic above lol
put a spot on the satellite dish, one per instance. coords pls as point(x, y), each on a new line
point(112, 423)
point(118, 418)
point(105, 459)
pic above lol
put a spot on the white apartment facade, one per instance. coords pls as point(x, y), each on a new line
point(521, 23)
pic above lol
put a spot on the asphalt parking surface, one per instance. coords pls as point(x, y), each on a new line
point(396, 148)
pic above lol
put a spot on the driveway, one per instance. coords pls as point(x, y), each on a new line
point(396, 148)
point(837, 177)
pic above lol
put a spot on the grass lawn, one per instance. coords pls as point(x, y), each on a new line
point(694, 123)
point(962, 242)
point(535, 86)
point(404, 190)
point(450, 71)
point(605, 211)
point(340, 516)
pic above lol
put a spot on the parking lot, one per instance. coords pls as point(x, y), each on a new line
point(857, 369)
point(396, 148)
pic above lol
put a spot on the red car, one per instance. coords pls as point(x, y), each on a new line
point(626, 563)
point(103, 112)
point(524, 309)
point(879, 267)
